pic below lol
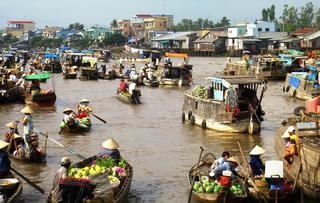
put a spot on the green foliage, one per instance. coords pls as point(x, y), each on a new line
point(290, 18)
point(224, 22)
point(76, 26)
point(81, 43)
point(268, 14)
point(200, 23)
point(8, 39)
point(38, 42)
point(317, 24)
point(306, 15)
point(114, 39)
point(113, 23)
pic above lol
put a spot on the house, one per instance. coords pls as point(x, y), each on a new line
point(50, 31)
point(311, 41)
point(98, 33)
point(176, 40)
point(123, 27)
point(271, 40)
point(299, 33)
point(155, 24)
point(18, 28)
point(211, 42)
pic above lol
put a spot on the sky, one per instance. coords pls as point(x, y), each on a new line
point(101, 12)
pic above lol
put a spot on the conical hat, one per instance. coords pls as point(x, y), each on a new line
point(3, 144)
point(286, 133)
point(110, 144)
point(233, 159)
point(67, 110)
point(16, 136)
point(84, 101)
point(257, 150)
point(27, 109)
point(12, 125)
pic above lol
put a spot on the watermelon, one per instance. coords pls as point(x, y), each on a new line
point(200, 189)
point(196, 186)
point(209, 189)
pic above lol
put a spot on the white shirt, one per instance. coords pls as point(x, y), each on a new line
point(150, 74)
point(13, 78)
point(132, 87)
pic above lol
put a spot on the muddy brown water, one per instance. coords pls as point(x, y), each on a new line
point(152, 137)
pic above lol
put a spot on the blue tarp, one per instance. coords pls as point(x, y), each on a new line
point(294, 82)
point(51, 56)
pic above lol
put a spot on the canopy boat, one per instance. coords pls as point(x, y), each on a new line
point(229, 104)
point(303, 85)
point(129, 98)
point(81, 125)
point(70, 72)
point(206, 190)
point(54, 65)
point(103, 55)
point(175, 75)
point(104, 181)
point(88, 69)
point(42, 97)
point(11, 190)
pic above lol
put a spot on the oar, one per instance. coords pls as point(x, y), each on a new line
point(28, 181)
point(105, 122)
point(190, 194)
point(61, 145)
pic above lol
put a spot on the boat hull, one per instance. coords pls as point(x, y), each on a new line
point(11, 95)
point(70, 76)
point(41, 100)
point(128, 99)
point(175, 82)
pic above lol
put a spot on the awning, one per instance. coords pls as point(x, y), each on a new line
point(39, 76)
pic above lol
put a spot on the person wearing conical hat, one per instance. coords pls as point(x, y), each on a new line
point(13, 130)
point(84, 108)
point(230, 165)
point(5, 163)
point(27, 127)
point(69, 118)
point(255, 162)
point(110, 150)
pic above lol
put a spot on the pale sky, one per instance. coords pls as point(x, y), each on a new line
point(101, 12)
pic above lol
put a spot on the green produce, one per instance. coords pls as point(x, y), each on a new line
point(200, 190)
point(200, 91)
point(210, 189)
point(196, 186)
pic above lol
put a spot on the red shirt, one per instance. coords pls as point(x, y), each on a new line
point(83, 114)
point(123, 86)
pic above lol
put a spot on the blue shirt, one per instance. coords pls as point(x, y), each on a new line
point(113, 153)
point(4, 162)
point(226, 166)
point(256, 165)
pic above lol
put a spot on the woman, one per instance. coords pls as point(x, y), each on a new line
point(5, 163)
point(27, 127)
point(110, 150)
point(13, 130)
point(255, 162)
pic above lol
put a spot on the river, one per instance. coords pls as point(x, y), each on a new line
point(151, 136)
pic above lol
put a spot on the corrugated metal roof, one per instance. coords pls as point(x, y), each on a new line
point(20, 21)
point(238, 80)
point(313, 36)
point(174, 36)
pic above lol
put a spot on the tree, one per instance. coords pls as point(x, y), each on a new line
point(264, 14)
point(114, 23)
point(224, 22)
point(306, 15)
point(38, 42)
point(289, 18)
point(318, 19)
point(76, 26)
point(114, 39)
point(272, 13)
point(7, 39)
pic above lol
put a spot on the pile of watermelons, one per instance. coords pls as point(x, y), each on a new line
point(200, 91)
point(207, 187)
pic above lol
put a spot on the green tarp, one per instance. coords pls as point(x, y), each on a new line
point(39, 76)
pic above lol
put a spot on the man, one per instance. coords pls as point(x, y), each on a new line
point(56, 194)
point(255, 162)
point(225, 155)
point(69, 117)
point(123, 86)
point(230, 165)
point(5, 163)
point(132, 87)
point(294, 141)
point(110, 150)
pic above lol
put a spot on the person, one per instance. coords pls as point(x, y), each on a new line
point(255, 162)
point(229, 165)
point(13, 130)
point(13, 77)
point(288, 152)
point(84, 109)
point(225, 155)
point(5, 163)
point(27, 127)
point(35, 85)
point(16, 146)
point(294, 140)
point(123, 86)
point(69, 117)
point(110, 150)
point(62, 172)
point(22, 81)
point(132, 87)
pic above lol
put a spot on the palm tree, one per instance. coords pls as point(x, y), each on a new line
point(114, 23)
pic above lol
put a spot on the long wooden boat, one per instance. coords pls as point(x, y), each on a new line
point(87, 73)
point(128, 98)
point(70, 76)
point(53, 68)
point(299, 85)
point(12, 94)
point(77, 128)
point(209, 108)
point(308, 157)
point(103, 191)
point(175, 75)
point(48, 99)
point(153, 83)
point(12, 193)
point(203, 170)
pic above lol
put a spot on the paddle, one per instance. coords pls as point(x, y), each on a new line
point(61, 145)
point(190, 194)
point(28, 181)
point(105, 122)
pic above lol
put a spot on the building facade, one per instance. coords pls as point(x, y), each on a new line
point(18, 28)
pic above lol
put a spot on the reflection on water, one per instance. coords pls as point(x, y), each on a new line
point(151, 136)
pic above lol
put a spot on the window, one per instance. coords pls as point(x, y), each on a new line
point(267, 29)
point(259, 29)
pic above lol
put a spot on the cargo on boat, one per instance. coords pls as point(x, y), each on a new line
point(128, 98)
point(80, 125)
point(229, 104)
point(53, 65)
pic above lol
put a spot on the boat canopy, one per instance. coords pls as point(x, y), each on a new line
point(51, 56)
point(39, 76)
point(176, 55)
point(76, 54)
point(235, 80)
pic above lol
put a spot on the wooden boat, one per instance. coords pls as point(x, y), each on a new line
point(54, 66)
point(302, 85)
point(175, 75)
point(110, 75)
point(12, 193)
point(88, 73)
point(77, 128)
point(203, 171)
point(12, 94)
point(103, 191)
point(41, 99)
point(70, 76)
point(151, 83)
point(128, 98)
point(211, 108)
point(308, 177)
